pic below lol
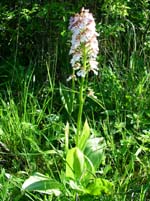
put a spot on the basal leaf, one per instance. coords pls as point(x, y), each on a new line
point(78, 164)
point(74, 163)
point(84, 136)
point(94, 150)
point(42, 184)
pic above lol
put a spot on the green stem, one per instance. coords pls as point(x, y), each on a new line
point(81, 103)
point(73, 91)
point(81, 99)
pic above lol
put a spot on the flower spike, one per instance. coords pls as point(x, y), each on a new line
point(84, 42)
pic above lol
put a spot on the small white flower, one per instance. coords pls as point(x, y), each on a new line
point(77, 66)
point(91, 93)
point(81, 73)
point(71, 77)
point(93, 66)
point(76, 58)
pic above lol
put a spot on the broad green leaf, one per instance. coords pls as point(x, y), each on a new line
point(99, 186)
point(42, 184)
point(89, 172)
point(74, 163)
point(84, 136)
point(78, 163)
point(69, 164)
point(94, 150)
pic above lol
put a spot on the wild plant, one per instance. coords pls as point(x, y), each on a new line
point(84, 158)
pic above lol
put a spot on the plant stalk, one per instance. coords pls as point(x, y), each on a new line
point(81, 98)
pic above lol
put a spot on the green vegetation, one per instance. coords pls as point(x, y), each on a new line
point(39, 108)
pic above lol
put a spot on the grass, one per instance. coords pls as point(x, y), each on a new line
point(33, 120)
point(33, 133)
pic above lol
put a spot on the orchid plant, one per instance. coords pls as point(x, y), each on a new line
point(83, 160)
point(84, 50)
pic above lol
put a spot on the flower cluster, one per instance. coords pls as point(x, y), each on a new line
point(84, 42)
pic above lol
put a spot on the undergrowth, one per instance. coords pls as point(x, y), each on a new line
point(35, 109)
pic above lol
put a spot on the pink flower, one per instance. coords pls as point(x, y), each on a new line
point(84, 35)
